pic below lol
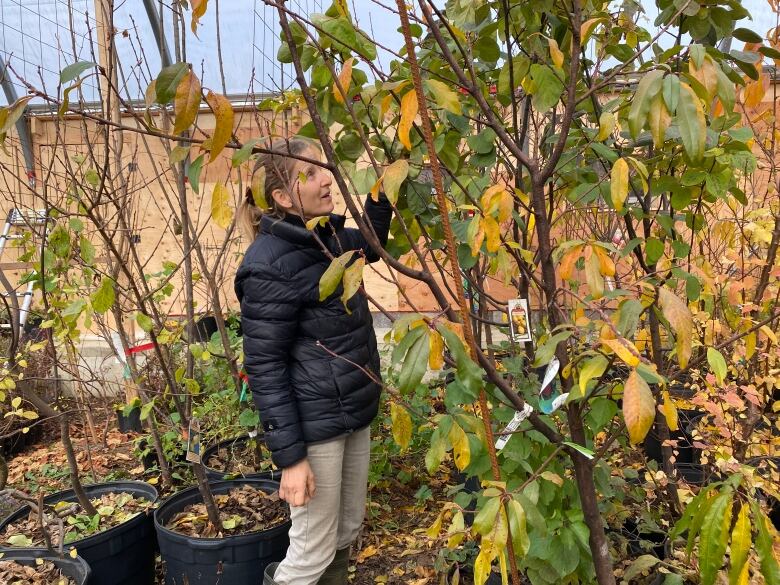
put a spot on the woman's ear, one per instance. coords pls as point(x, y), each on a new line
point(282, 199)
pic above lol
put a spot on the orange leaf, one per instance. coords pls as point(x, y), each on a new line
point(436, 347)
point(638, 407)
point(606, 265)
point(198, 10)
point(622, 348)
point(186, 102)
point(344, 80)
point(568, 260)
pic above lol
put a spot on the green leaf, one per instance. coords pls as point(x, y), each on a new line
point(593, 368)
point(193, 173)
point(747, 36)
point(546, 87)
point(654, 249)
point(331, 278)
point(72, 71)
point(717, 363)
point(546, 351)
point(168, 80)
point(242, 154)
point(444, 96)
point(691, 122)
point(144, 321)
point(714, 537)
point(520, 540)
point(486, 517)
point(103, 297)
point(415, 364)
point(436, 452)
point(393, 178)
point(178, 154)
point(87, 250)
point(146, 409)
point(770, 568)
point(671, 92)
point(648, 87)
point(249, 418)
point(726, 91)
point(639, 566)
point(20, 540)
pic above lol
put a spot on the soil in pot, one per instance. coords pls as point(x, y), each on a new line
point(243, 510)
point(112, 508)
point(256, 534)
point(122, 554)
point(39, 572)
point(240, 457)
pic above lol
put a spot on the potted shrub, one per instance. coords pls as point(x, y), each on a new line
point(254, 530)
point(117, 540)
point(42, 568)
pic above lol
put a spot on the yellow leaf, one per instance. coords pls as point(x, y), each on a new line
point(706, 75)
point(393, 178)
point(769, 333)
point(315, 221)
point(593, 275)
point(750, 345)
point(409, 108)
point(618, 186)
point(476, 234)
point(492, 233)
point(444, 96)
point(670, 412)
point(483, 563)
point(755, 90)
point(638, 407)
point(460, 446)
point(552, 478)
point(384, 105)
point(223, 129)
point(220, 209)
point(659, 119)
point(367, 552)
point(606, 126)
point(586, 30)
point(606, 264)
point(555, 53)
point(456, 531)
point(198, 10)
point(344, 80)
point(258, 188)
point(73, 553)
point(566, 265)
point(353, 277)
point(402, 425)
point(741, 543)
point(623, 352)
point(679, 316)
point(436, 350)
point(186, 102)
point(435, 528)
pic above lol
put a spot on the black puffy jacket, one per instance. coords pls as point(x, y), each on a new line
point(303, 393)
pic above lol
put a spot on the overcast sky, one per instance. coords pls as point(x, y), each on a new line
point(35, 35)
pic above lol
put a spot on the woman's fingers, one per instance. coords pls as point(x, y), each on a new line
point(311, 488)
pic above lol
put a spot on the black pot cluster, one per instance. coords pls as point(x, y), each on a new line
point(125, 554)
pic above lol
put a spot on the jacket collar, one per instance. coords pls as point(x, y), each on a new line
point(293, 229)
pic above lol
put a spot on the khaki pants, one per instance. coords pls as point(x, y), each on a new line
point(332, 519)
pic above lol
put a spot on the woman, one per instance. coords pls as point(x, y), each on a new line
point(313, 365)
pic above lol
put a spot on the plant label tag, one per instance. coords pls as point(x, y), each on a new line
point(193, 442)
point(512, 426)
point(519, 320)
point(550, 397)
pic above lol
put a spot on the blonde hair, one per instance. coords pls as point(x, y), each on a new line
point(279, 166)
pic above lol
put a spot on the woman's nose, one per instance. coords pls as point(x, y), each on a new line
point(327, 179)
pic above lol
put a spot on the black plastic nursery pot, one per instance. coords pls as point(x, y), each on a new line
point(76, 569)
point(131, 422)
point(122, 555)
point(213, 474)
point(233, 560)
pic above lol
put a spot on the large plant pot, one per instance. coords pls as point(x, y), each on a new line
point(238, 442)
point(122, 555)
point(131, 422)
point(234, 560)
point(76, 569)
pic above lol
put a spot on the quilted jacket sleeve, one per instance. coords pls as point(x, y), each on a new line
point(269, 319)
point(378, 215)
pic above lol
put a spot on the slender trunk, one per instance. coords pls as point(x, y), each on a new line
point(583, 469)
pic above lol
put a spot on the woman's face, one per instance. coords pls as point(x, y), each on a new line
point(310, 194)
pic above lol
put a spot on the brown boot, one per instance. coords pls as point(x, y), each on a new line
point(338, 569)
